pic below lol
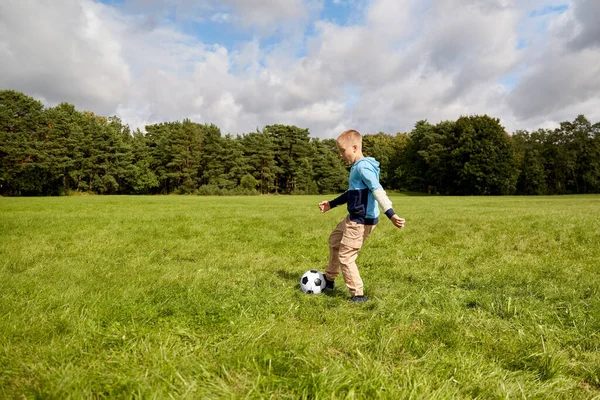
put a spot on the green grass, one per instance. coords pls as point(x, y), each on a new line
point(197, 297)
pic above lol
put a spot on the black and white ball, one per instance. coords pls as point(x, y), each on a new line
point(312, 282)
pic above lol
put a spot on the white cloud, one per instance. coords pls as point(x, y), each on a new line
point(266, 13)
point(78, 60)
point(562, 79)
point(221, 17)
point(588, 31)
point(402, 62)
point(263, 16)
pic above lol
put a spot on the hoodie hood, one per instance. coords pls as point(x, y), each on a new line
point(369, 160)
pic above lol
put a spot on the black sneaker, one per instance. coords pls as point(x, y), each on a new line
point(329, 285)
point(358, 299)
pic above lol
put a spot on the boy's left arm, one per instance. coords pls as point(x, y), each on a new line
point(370, 179)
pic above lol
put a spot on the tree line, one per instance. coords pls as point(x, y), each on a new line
point(59, 150)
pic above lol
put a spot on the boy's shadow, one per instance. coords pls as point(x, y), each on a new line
point(289, 275)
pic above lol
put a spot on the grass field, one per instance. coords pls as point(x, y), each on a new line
point(198, 297)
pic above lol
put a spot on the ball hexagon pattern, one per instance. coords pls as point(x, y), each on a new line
point(312, 282)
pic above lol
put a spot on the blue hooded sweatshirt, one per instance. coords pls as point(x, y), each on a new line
point(364, 179)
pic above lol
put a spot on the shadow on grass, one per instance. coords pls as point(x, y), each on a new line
point(336, 293)
point(291, 276)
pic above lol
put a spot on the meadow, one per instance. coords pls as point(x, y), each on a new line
point(198, 297)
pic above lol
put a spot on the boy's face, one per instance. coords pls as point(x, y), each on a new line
point(347, 151)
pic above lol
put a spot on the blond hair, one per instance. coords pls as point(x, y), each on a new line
point(350, 137)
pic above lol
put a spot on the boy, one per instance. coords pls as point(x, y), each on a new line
point(363, 195)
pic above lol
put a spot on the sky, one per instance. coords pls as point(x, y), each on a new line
point(325, 65)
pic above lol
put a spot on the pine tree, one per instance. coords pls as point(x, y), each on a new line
point(21, 120)
point(62, 145)
point(259, 151)
point(529, 162)
point(143, 179)
point(291, 150)
point(329, 172)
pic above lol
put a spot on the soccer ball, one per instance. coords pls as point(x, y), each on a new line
point(312, 282)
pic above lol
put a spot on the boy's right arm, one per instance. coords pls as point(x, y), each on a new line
point(338, 201)
point(328, 205)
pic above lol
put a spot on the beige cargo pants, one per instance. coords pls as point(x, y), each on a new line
point(345, 242)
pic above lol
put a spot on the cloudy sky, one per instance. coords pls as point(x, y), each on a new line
point(326, 65)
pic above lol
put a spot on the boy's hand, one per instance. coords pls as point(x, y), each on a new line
point(324, 206)
point(397, 221)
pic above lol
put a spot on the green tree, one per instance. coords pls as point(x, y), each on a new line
point(210, 165)
point(248, 182)
point(143, 178)
point(234, 165)
point(329, 172)
point(176, 149)
point(291, 152)
point(222, 162)
point(21, 120)
point(424, 157)
point(157, 139)
point(259, 152)
point(185, 146)
point(107, 156)
point(62, 141)
point(583, 154)
point(381, 147)
point(394, 169)
point(117, 155)
point(529, 162)
point(560, 162)
point(481, 157)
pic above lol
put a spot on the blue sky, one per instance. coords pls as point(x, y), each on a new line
point(377, 65)
point(549, 9)
point(213, 24)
